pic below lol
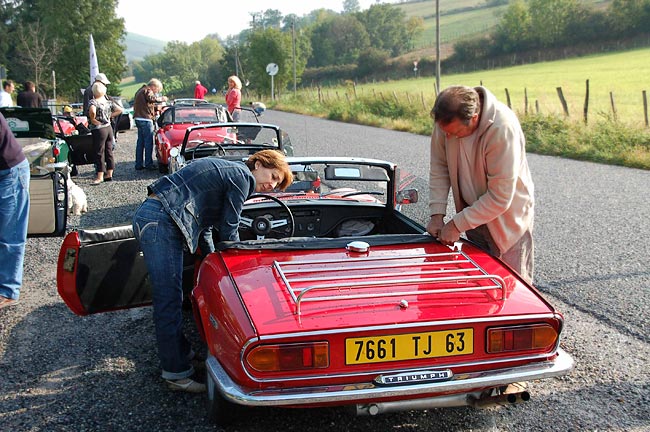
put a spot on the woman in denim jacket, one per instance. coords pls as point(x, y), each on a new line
point(206, 195)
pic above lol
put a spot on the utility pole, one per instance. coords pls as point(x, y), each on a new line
point(437, 46)
point(293, 44)
point(237, 59)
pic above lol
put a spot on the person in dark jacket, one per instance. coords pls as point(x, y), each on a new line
point(14, 217)
point(184, 209)
point(29, 97)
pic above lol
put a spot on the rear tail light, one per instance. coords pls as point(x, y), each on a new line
point(56, 151)
point(521, 338)
point(275, 358)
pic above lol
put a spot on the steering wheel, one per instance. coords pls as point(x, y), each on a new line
point(266, 224)
point(220, 151)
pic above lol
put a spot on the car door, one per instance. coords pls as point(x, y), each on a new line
point(103, 269)
point(48, 161)
point(100, 270)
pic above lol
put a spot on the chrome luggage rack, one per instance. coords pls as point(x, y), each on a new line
point(383, 276)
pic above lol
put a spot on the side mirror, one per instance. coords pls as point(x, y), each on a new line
point(407, 196)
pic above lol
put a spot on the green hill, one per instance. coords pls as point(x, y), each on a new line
point(138, 46)
point(461, 19)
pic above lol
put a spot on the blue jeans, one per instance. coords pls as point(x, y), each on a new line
point(144, 144)
point(162, 244)
point(14, 217)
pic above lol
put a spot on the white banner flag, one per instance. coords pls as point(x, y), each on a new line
point(94, 67)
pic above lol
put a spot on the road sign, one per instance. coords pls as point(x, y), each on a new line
point(272, 69)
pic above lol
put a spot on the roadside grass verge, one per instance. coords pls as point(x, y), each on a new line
point(618, 138)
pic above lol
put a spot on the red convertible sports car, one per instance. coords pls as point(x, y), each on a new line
point(183, 114)
point(335, 297)
point(174, 121)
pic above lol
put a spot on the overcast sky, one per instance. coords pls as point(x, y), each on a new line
point(192, 20)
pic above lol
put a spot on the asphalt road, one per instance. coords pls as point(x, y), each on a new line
point(62, 372)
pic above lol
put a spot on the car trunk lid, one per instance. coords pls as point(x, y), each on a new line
point(337, 288)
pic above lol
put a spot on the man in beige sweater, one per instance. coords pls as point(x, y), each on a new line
point(479, 151)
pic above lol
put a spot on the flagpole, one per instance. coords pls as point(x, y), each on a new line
point(94, 66)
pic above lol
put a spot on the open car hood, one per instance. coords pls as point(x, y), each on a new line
point(29, 122)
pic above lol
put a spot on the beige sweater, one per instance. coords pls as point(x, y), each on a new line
point(503, 193)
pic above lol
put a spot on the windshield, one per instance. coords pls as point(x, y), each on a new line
point(353, 181)
point(231, 140)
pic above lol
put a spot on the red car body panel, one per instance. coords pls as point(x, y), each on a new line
point(244, 290)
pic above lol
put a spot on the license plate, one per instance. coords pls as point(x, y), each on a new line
point(410, 346)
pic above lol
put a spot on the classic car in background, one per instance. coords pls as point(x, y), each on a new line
point(334, 297)
point(227, 140)
point(124, 121)
point(174, 121)
point(48, 160)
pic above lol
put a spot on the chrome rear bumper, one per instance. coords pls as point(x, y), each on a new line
point(467, 388)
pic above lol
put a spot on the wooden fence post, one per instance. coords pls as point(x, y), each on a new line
point(508, 99)
point(585, 110)
point(395, 96)
point(424, 105)
point(525, 101)
point(537, 106)
point(645, 107)
point(611, 100)
point(562, 101)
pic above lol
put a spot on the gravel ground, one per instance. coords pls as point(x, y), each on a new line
point(61, 372)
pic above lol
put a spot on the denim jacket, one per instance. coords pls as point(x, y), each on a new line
point(207, 193)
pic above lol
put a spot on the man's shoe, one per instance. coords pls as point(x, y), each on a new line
point(5, 302)
point(186, 385)
point(151, 168)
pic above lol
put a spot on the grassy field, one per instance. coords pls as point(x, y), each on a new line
point(128, 87)
point(405, 105)
point(624, 74)
point(460, 19)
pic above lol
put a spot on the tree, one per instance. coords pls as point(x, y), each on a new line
point(273, 46)
point(69, 28)
point(35, 53)
point(513, 31)
point(371, 60)
point(338, 40)
point(386, 26)
point(351, 6)
point(211, 54)
point(629, 17)
point(550, 20)
point(270, 18)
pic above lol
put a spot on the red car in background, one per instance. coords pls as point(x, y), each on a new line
point(174, 121)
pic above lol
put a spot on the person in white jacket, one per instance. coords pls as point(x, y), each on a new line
point(5, 94)
point(478, 149)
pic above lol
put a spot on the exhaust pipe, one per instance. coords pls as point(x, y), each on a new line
point(512, 394)
point(500, 400)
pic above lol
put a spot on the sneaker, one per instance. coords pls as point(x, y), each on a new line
point(186, 385)
point(6, 302)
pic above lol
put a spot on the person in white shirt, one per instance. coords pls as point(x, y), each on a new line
point(5, 94)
